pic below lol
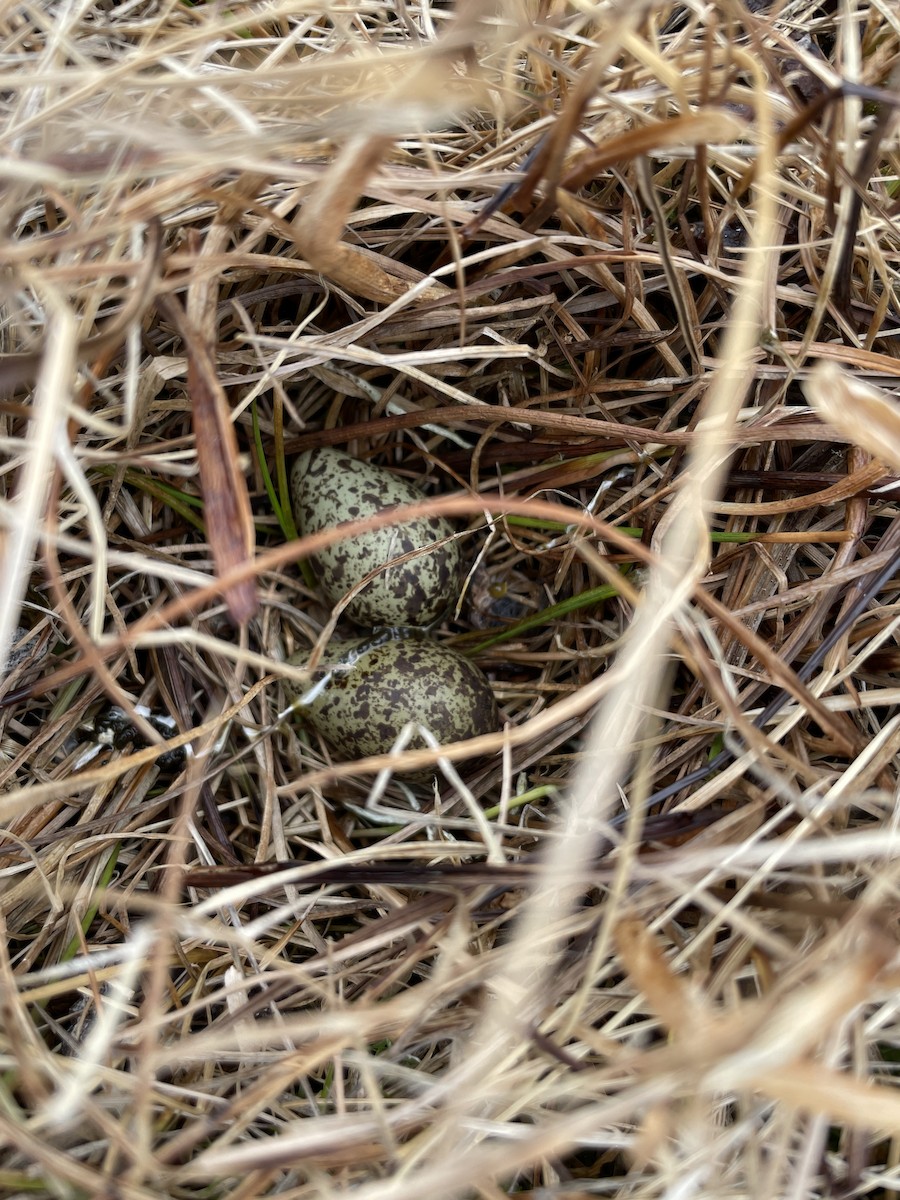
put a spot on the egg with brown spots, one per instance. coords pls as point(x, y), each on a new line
point(329, 487)
point(364, 691)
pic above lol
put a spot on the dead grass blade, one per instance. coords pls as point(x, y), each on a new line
point(862, 412)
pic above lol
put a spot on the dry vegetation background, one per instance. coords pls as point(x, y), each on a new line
point(617, 285)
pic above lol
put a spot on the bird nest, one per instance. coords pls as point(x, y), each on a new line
point(614, 286)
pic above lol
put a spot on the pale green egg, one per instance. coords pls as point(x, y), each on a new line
point(329, 487)
point(364, 692)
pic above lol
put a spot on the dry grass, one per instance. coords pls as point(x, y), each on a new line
point(571, 268)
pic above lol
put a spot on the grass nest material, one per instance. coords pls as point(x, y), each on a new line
point(617, 286)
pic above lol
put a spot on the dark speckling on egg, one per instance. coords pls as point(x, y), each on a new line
point(329, 487)
point(386, 682)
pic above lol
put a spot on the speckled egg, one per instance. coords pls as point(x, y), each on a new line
point(366, 690)
point(329, 487)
